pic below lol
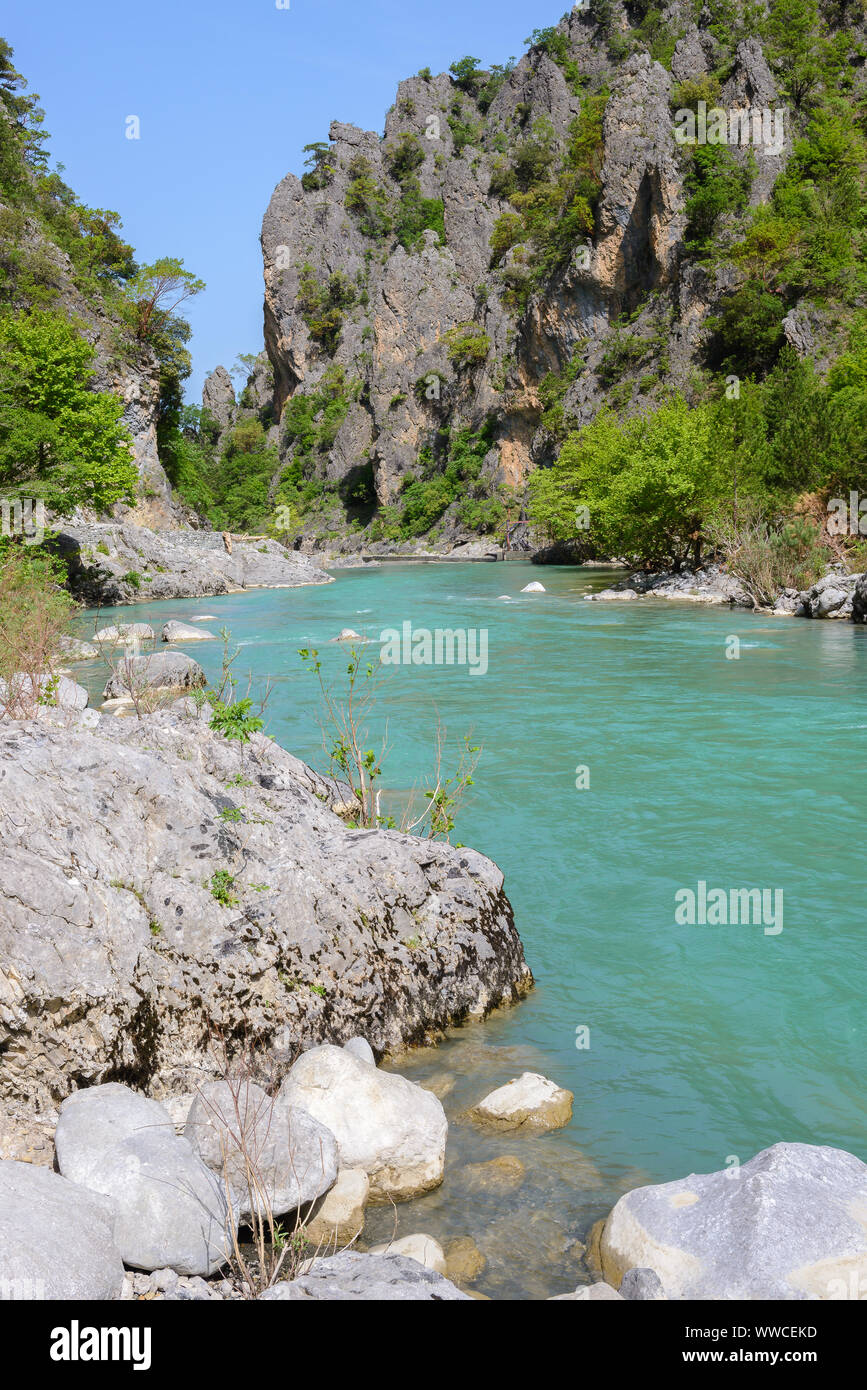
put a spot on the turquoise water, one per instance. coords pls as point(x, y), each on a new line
point(706, 1042)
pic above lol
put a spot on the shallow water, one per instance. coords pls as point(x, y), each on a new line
point(706, 1042)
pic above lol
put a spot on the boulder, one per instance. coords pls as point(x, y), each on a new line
point(124, 634)
point(175, 631)
point(172, 1211)
point(93, 1120)
point(74, 649)
point(642, 1285)
point(383, 1123)
point(339, 1218)
point(348, 634)
point(56, 1238)
point(116, 958)
point(293, 1156)
point(503, 1174)
point(22, 694)
point(534, 588)
point(859, 600)
point(529, 1102)
point(360, 1047)
point(161, 671)
point(353, 1277)
point(589, 1293)
point(789, 1224)
point(424, 1249)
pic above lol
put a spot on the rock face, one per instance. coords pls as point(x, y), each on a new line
point(116, 563)
point(788, 1225)
point(351, 1276)
point(530, 1102)
point(237, 1129)
point(56, 1238)
point(859, 600)
point(136, 923)
point(383, 1123)
point(218, 398)
point(405, 301)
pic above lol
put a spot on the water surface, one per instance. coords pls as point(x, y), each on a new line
point(707, 1043)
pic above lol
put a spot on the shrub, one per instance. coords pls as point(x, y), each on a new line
point(468, 345)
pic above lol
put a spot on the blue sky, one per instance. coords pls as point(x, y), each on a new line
point(228, 92)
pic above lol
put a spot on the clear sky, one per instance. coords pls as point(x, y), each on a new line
point(228, 92)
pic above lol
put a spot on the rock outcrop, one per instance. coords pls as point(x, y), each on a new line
point(137, 922)
point(117, 562)
point(356, 297)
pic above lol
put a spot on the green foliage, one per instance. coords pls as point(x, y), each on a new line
point(405, 156)
point(467, 344)
point(222, 886)
point(647, 484)
point(320, 170)
point(464, 131)
point(746, 335)
point(715, 184)
point(454, 474)
point(235, 722)
point(555, 43)
point(415, 215)
point(323, 305)
point(468, 75)
point(367, 200)
point(59, 439)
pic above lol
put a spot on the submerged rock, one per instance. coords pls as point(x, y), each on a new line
point(351, 1276)
point(57, 1240)
point(529, 1102)
point(787, 1225)
point(393, 1129)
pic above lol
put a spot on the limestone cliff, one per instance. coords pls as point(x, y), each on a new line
point(382, 283)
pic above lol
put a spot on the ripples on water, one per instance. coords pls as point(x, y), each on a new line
point(705, 1042)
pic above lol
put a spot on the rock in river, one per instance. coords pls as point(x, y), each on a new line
point(384, 1124)
point(789, 1224)
point(529, 1102)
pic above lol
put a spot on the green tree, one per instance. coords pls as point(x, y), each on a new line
point(59, 439)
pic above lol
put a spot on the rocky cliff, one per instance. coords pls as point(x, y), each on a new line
point(447, 276)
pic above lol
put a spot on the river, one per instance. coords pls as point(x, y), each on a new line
point(688, 1047)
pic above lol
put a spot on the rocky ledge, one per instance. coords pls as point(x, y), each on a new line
point(159, 893)
point(117, 562)
point(836, 595)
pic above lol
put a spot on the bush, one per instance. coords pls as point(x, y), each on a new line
point(468, 345)
point(35, 612)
